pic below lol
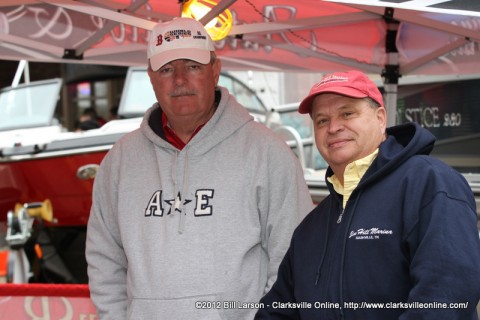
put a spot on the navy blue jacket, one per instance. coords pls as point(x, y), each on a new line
point(407, 237)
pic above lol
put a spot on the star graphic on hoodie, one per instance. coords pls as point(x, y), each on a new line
point(175, 203)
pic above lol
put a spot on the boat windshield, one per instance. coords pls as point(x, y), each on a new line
point(138, 94)
point(29, 105)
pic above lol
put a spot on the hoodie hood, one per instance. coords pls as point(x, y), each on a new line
point(213, 132)
point(402, 143)
point(227, 119)
point(405, 141)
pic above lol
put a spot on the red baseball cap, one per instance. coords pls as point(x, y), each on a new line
point(354, 84)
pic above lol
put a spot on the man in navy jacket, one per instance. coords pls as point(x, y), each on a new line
point(396, 238)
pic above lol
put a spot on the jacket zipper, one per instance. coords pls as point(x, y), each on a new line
point(340, 216)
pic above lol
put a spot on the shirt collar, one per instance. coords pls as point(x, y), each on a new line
point(354, 172)
point(172, 137)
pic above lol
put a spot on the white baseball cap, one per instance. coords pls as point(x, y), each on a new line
point(180, 38)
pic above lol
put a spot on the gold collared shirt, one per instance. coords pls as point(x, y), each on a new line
point(353, 174)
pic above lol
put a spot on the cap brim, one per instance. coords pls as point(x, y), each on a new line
point(306, 104)
point(199, 55)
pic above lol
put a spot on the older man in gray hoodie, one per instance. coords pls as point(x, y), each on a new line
point(193, 211)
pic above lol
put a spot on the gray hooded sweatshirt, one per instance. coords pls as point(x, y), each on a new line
point(197, 233)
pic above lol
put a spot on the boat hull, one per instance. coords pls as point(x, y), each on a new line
point(54, 177)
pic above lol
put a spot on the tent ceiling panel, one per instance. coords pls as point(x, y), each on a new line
point(303, 35)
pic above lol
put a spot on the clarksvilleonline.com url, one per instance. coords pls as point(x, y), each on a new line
point(369, 305)
point(406, 305)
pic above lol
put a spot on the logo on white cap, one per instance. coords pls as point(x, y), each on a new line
point(180, 38)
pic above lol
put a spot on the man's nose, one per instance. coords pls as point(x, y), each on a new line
point(335, 125)
point(180, 75)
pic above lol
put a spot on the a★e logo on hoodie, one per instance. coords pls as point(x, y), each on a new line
point(158, 205)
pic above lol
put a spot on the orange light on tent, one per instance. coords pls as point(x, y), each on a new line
point(219, 27)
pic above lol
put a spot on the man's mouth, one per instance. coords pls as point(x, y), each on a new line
point(181, 94)
point(337, 143)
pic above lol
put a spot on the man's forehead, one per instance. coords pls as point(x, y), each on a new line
point(335, 101)
point(182, 61)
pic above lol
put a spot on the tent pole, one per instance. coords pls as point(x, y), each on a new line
point(390, 103)
point(391, 72)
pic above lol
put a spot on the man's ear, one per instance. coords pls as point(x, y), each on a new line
point(381, 114)
point(217, 68)
point(150, 72)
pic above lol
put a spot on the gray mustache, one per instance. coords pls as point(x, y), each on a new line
point(180, 93)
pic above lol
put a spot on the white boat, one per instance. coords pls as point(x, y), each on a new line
point(39, 159)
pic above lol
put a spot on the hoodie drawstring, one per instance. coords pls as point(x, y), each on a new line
point(178, 202)
point(174, 179)
point(181, 224)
